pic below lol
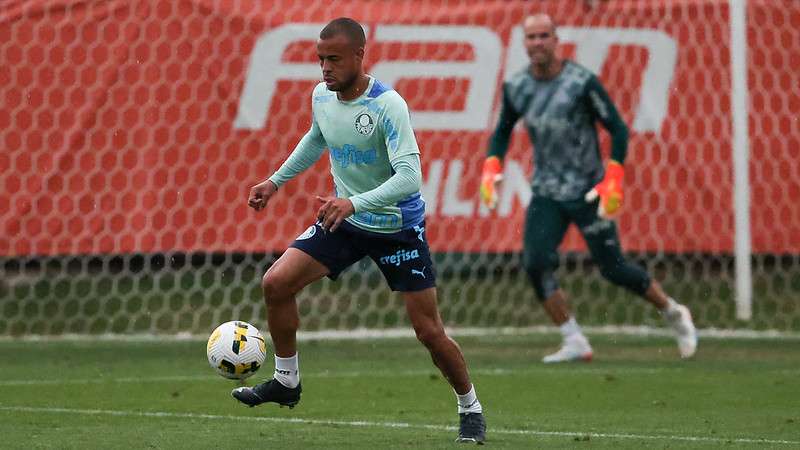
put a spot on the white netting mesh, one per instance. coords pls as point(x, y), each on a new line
point(130, 132)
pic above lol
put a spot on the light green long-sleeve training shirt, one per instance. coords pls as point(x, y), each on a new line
point(373, 154)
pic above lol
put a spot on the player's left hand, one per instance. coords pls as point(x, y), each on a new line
point(609, 190)
point(333, 211)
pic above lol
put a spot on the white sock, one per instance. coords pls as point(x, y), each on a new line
point(468, 403)
point(671, 308)
point(286, 371)
point(570, 328)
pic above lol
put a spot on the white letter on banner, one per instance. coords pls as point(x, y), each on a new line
point(452, 206)
point(516, 185)
point(266, 68)
point(481, 72)
point(430, 188)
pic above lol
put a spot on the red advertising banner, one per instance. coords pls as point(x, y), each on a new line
point(139, 126)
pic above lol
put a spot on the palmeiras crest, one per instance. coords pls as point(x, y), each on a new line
point(364, 124)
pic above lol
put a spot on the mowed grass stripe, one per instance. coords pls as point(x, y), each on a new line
point(348, 374)
point(392, 425)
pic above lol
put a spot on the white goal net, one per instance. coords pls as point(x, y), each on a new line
point(131, 131)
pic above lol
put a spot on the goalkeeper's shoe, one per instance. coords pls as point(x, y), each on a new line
point(574, 348)
point(268, 391)
point(471, 429)
point(680, 319)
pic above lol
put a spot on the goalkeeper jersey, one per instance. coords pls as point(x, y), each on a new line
point(373, 154)
point(560, 115)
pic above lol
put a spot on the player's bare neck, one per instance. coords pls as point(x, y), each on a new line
point(547, 71)
point(356, 89)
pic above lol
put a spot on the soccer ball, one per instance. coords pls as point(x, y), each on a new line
point(236, 350)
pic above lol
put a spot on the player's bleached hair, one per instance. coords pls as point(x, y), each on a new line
point(346, 26)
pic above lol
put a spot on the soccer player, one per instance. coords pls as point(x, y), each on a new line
point(560, 102)
point(377, 211)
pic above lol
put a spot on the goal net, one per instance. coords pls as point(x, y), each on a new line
point(131, 131)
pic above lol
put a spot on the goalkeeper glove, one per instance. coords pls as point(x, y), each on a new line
point(490, 179)
point(609, 190)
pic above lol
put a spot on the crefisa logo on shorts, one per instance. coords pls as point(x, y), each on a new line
point(364, 124)
point(400, 256)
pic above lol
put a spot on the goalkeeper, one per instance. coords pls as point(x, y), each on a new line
point(560, 102)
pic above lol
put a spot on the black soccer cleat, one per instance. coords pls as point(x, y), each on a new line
point(472, 429)
point(268, 391)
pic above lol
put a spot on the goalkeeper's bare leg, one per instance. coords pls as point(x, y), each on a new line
point(545, 226)
point(447, 356)
point(575, 346)
point(293, 271)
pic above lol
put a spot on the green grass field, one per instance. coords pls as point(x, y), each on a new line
point(386, 394)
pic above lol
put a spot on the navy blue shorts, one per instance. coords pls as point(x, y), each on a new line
point(403, 257)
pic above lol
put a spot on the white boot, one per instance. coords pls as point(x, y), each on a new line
point(573, 348)
point(680, 319)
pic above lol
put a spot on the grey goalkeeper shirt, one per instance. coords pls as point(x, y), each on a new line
point(560, 114)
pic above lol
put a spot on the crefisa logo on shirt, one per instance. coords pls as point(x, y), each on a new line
point(364, 124)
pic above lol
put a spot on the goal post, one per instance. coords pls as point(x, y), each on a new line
point(741, 155)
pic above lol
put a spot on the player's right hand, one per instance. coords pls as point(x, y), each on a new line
point(260, 194)
point(490, 179)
